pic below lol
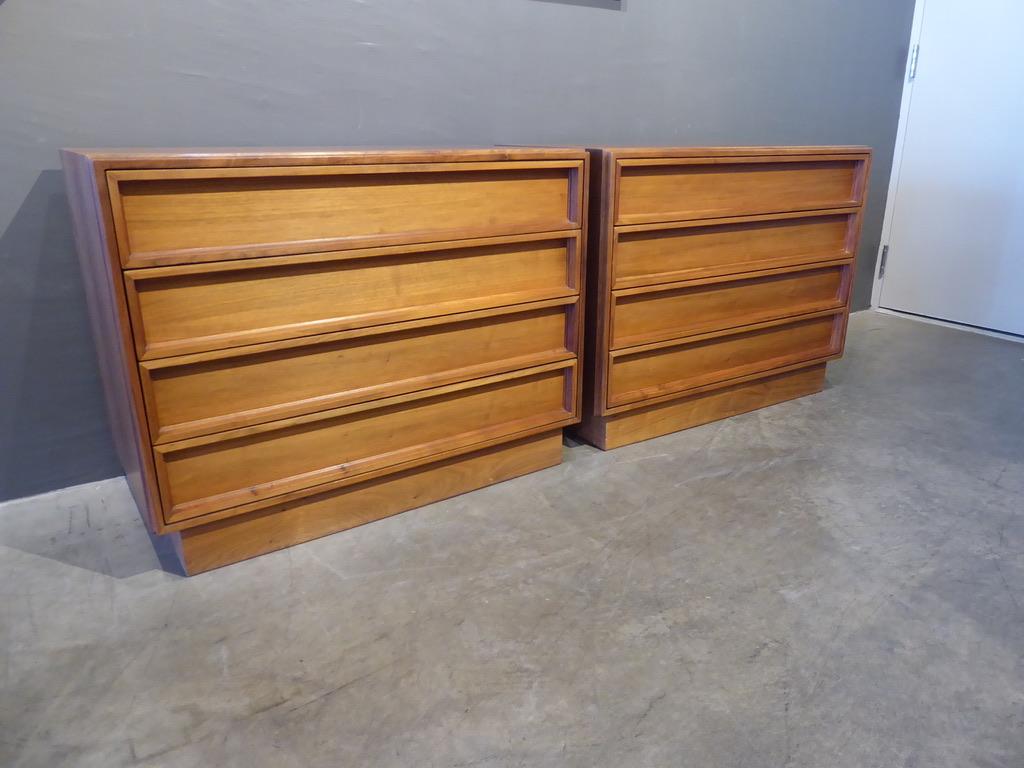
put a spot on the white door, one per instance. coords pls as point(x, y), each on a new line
point(956, 243)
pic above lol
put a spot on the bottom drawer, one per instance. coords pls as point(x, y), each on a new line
point(227, 541)
point(206, 475)
point(640, 374)
point(691, 410)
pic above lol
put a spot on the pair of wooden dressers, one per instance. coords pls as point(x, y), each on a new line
point(297, 342)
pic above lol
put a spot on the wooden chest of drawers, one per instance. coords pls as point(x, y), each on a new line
point(294, 343)
point(718, 281)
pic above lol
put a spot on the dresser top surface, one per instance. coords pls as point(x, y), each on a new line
point(751, 151)
point(260, 156)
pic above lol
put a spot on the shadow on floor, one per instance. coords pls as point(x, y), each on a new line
point(95, 527)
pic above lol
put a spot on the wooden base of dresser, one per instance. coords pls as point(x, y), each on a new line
point(610, 432)
point(206, 547)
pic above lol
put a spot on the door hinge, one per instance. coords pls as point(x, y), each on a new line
point(915, 52)
point(881, 262)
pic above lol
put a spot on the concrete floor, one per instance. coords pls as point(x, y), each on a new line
point(836, 581)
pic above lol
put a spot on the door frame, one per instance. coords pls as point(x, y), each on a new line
point(897, 155)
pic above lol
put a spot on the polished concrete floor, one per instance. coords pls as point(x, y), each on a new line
point(834, 582)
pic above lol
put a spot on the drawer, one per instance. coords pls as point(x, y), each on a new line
point(646, 257)
point(639, 374)
point(333, 509)
point(186, 397)
point(179, 310)
point(644, 316)
point(677, 190)
point(181, 216)
point(216, 473)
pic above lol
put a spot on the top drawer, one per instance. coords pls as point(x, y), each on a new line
point(681, 189)
point(175, 216)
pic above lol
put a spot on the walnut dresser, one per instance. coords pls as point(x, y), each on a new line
point(297, 342)
point(718, 281)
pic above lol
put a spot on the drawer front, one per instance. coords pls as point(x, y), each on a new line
point(637, 376)
point(207, 475)
point(177, 310)
point(179, 216)
point(652, 191)
point(666, 255)
point(640, 318)
point(199, 397)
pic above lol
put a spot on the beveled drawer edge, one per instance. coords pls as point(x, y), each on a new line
point(369, 252)
point(678, 217)
point(701, 276)
point(146, 350)
point(858, 190)
point(315, 339)
point(130, 259)
point(157, 173)
point(693, 410)
point(730, 277)
point(781, 263)
point(676, 394)
point(745, 322)
point(568, 363)
point(370, 394)
point(663, 160)
point(304, 248)
point(372, 474)
point(709, 335)
point(838, 319)
point(754, 150)
point(422, 453)
point(355, 470)
point(371, 322)
point(261, 157)
point(753, 218)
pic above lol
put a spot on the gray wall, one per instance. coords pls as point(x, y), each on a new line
point(382, 72)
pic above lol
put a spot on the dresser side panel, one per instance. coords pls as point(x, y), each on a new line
point(101, 278)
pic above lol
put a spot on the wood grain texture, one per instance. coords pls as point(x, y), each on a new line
point(729, 154)
point(644, 255)
point(683, 190)
point(275, 325)
point(202, 394)
point(111, 332)
point(261, 157)
point(599, 285)
point(181, 310)
point(642, 373)
point(168, 216)
point(227, 469)
point(694, 410)
point(712, 268)
point(217, 544)
point(641, 316)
